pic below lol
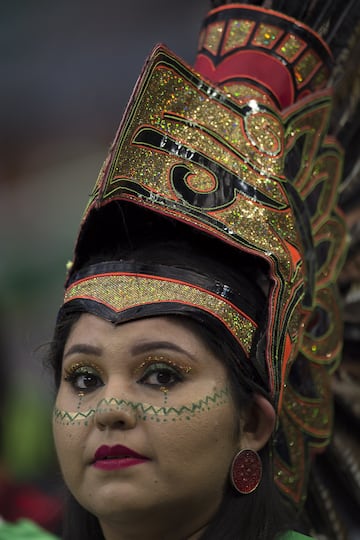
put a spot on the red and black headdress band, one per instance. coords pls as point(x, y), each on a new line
point(123, 291)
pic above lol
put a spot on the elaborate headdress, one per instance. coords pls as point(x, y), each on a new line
point(238, 147)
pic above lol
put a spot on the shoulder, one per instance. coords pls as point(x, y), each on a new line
point(292, 535)
point(23, 530)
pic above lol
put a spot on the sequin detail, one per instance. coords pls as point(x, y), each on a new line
point(248, 32)
point(237, 34)
point(122, 292)
point(213, 37)
point(267, 36)
point(290, 47)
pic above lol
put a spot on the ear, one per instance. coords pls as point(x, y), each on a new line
point(258, 424)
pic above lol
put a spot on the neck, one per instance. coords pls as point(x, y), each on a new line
point(161, 529)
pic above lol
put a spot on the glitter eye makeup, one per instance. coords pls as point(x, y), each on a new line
point(84, 377)
point(161, 372)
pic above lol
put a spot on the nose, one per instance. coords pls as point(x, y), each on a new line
point(115, 413)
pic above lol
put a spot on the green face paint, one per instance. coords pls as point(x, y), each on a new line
point(145, 411)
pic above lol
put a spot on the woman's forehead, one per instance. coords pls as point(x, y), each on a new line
point(175, 333)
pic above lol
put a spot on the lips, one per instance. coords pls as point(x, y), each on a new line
point(117, 457)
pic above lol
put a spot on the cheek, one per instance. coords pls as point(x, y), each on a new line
point(69, 439)
point(204, 438)
point(195, 454)
point(69, 424)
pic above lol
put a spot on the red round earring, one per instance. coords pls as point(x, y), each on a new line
point(246, 471)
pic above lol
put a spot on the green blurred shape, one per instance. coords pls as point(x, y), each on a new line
point(23, 530)
point(27, 438)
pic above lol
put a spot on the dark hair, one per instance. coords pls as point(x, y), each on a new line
point(262, 514)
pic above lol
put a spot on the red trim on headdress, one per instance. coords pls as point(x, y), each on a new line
point(276, 14)
point(252, 65)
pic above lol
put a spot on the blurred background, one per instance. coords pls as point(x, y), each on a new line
point(67, 72)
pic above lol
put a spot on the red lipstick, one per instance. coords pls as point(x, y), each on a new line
point(116, 457)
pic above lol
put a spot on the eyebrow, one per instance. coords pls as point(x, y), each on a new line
point(83, 348)
point(139, 348)
point(146, 346)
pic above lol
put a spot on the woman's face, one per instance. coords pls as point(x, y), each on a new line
point(144, 423)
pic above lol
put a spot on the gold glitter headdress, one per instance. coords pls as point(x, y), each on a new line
point(238, 148)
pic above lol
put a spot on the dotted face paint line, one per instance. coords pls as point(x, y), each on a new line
point(145, 411)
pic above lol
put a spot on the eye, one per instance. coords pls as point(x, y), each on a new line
point(83, 378)
point(161, 374)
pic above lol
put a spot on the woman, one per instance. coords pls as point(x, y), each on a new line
point(184, 411)
point(199, 327)
point(189, 408)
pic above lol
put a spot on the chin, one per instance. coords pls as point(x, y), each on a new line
point(115, 500)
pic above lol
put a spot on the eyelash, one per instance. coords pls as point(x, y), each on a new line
point(152, 365)
point(88, 371)
point(161, 367)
